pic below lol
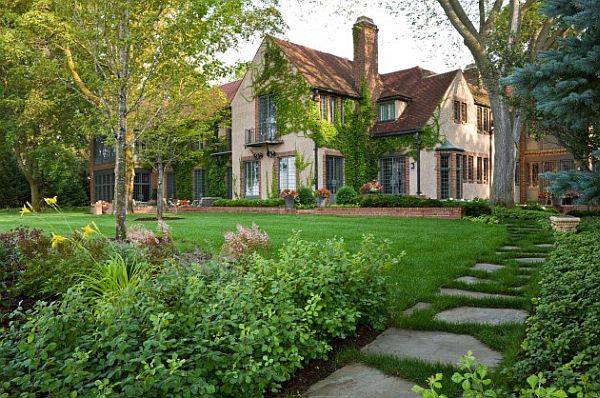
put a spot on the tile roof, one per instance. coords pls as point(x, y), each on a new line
point(399, 83)
point(426, 94)
point(230, 89)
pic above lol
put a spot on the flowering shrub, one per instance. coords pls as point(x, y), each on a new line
point(322, 193)
point(288, 193)
point(245, 241)
point(371, 187)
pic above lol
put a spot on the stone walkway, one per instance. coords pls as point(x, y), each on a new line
point(438, 347)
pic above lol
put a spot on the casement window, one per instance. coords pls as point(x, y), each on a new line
point(103, 153)
point(287, 173)
point(141, 185)
point(104, 184)
point(171, 185)
point(534, 174)
point(458, 173)
point(463, 112)
point(334, 173)
point(199, 183)
point(479, 169)
point(486, 170)
point(460, 111)
point(332, 109)
point(444, 176)
point(323, 107)
point(465, 168)
point(392, 175)
point(251, 179)
point(470, 169)
point(387, 111)
point(487, 119)
point(343, 110)
point(266, 120)
point(479, 119)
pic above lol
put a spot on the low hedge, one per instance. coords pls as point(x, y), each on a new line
point(584, 213)
point(563, 337)
point(473, 208)
point(214, 330)
point(277, 202)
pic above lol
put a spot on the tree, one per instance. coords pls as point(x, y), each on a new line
point(41, 119)
point(115, 49)
point(562, 84)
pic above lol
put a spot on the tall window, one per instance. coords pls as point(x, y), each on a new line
point(487, 120)
point(199, 183)
point(479, 118)
point(104, 184)
point(458, 171)
point(267, 126)
point(251, 179)
point(332, 109)
point(387, 111)
point(470, 169)
point(486, 169)
point(287, 173)
point(334, 173)
point(171, 188)
point(141, 185)
point(460, 111)
point(463, 112)
point(323, 107)
point(392, 172)
point(479, 169)
point(103, 153)
point(444, 176)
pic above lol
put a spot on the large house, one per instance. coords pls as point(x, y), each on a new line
point(260, 162)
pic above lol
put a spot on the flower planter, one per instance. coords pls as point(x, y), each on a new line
point(321, 202)
point(289, 202)
point(564, 223)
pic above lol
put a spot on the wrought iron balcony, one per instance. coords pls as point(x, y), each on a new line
point(266, 135)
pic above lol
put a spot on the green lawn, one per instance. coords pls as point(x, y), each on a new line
point(436, 250)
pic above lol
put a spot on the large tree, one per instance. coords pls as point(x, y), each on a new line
point(563, 83)
point(115, 49)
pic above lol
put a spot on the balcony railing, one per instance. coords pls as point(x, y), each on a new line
point(267, 134)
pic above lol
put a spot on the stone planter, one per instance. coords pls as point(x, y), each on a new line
point(564, 223)
point(289, 202)
point(321, 202)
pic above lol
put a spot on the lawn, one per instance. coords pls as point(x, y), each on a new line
point(436, 250)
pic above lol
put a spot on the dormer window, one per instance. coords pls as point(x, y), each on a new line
point(387, 111)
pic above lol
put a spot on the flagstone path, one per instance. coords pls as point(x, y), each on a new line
point(437, 347)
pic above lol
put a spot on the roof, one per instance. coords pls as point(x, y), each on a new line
point(448, 146)
point(321, 70)
point(230, 89)
point(399, 83)
point(473, 78)
point(426, 94)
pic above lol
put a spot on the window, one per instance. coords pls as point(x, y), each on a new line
point(141, 185)
point(465, 167)
point(479, 169)
point(479, 119)
point(387, 111)
point(470, 169)
point(332, 109)
point(343, 110)
point(334, 173)
point(458, 171)
point(444, 176)
point(534, 173)
point(323, 107)
point(103, 153)
point(392, 174)
point(460, 111)
point(267, 126)
point(456, 109)
point(199, 183)
point(463, 112)
point(104, 184)
point(486, 169)
point(171, 188)
point(487, 125)
point(251, 179)
point(287, 173)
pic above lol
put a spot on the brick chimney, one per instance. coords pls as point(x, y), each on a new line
point(366, 55)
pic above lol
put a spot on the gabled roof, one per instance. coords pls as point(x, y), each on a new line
point(426, 94)
point(230, 89)
point(400, 83)
point(321, 70)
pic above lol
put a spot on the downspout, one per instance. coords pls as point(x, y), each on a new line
point(316, 165)
point(418, 160)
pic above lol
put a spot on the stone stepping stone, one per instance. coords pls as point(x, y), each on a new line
point(417, 307)
point(471, 280)
point(431, 346)
point(359, 381)
point(527, 269)
point(530, 260)
point(468, 293)
point(487, 267)
point(519, 287)
point(545, 245)
point(510, 248)
point(486, 316)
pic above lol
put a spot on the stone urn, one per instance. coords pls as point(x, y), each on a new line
point(321, 202)
point(289, 202)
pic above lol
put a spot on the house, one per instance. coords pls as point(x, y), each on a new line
point(407, 101)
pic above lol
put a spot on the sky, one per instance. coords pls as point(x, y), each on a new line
point(323, 29)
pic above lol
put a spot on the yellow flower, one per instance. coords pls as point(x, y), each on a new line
point(51, 201)
point(88, 230)
point(57, 240)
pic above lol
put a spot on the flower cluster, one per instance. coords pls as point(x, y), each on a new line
point(288, 193)
point(140, 236)
point(371, 187)
point(245, 241)
point(322, 193)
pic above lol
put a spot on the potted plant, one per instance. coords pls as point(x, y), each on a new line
point(322, 195)
point(289, 195)
point(371, 187)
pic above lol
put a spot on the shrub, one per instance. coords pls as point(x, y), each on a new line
point(346, 196)
point(192, 331)
point(584, 213)
point(483, 219)
point(563, 338)
point(476, 207)
point(276, 202)
point(306, 196)
point(245, 241)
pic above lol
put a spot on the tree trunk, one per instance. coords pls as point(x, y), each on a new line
point(160, 189)
point(27, 169)
point(34, 188)
point(130, 161)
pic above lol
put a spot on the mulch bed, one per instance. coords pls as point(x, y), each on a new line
point(155, 219)
point(319, 369)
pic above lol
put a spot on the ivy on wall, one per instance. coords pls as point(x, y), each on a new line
point(297, 112)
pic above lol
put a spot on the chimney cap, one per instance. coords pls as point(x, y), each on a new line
point(366, 20)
